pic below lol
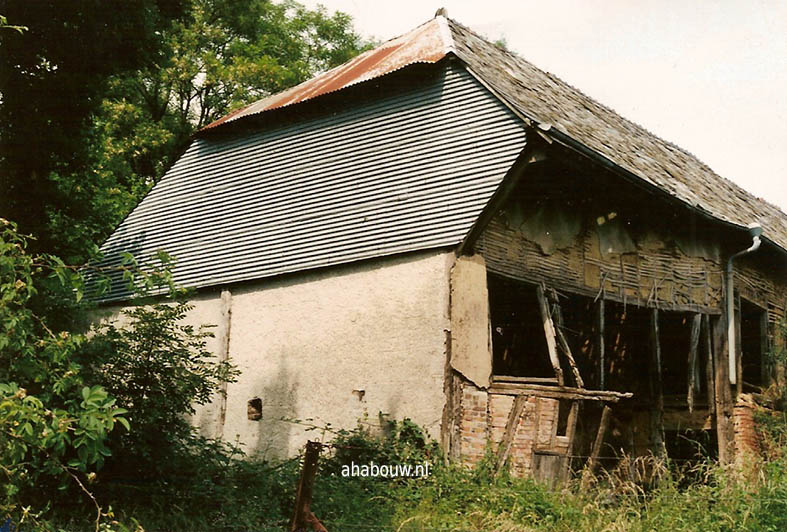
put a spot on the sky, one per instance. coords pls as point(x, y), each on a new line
point(709, 76)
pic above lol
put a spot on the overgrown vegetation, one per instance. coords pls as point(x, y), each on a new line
point(96, 103)
point(240, 494)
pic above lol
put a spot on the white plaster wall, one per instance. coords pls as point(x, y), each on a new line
point(305, 342)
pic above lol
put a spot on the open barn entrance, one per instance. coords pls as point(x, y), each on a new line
point(651, 370)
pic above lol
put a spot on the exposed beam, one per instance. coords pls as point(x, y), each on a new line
point(549, 332)
point(692, 362)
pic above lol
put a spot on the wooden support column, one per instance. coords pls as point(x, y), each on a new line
point(595, 451)
point(223, 355)
point(710, 388)
point(571, 431)
point(692, 362)
point(722, 396)
point(599, 441)
point(602, 366)
point(657, 393)
point(738, 347)
point(508, 437)
point(549, 331)
point(563, 342)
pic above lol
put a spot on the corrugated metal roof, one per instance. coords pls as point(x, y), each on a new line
point(427, 43)
point(405, 172)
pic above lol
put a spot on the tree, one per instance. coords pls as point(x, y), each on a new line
point(52, 79)
point(100, 101)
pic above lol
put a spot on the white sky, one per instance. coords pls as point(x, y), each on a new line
point(710, 76)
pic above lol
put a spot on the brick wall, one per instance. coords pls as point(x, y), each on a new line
point(747, 442)
point(482, 423)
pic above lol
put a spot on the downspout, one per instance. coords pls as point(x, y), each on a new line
point(755, 230)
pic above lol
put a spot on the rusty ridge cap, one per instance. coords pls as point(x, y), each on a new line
point(428, 43)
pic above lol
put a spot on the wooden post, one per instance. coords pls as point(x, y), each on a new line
point(738, 346)
point(303, 498)
point(571, 431)
point(590, 467)
point(710, 391)
point(563, 342)
point(657, 411)
point(602, 367)
point(223, 356)
point(549, 331)
point(765, 368)
point(693, 344)
point(508, 437)
point(722, 395)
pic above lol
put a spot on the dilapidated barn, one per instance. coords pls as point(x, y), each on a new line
point(440, 230)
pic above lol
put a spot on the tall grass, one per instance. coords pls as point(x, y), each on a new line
point(639, 495)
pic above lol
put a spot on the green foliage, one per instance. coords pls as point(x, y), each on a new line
point(159, 368)
point(54, 423)
point(99, 100)
point(235, 493)
point(52, 80)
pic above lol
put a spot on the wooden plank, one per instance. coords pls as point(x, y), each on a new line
point(557, 392)
point(657, 393)
point(524, 380)
point(602, 366)
point(547, 467)
point(709, 384)
point(504, 448)
point(549, 332)
point(692, 362)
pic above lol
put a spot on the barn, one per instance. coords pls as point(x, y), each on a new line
point(439, 230)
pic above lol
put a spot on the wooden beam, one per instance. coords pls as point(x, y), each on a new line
point(602, 366)
point(561, 338)
point(693, 344)
point(223, 356)
point(657, 393)
point(710, 392)
point(738, 350)
point(722, 395)
point(508, 437)
point(571, 431)
point(599, 441)
point(549, 332)
point(524, 380)
point(557, 392)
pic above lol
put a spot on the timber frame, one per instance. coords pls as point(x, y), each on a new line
point(640, 347)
